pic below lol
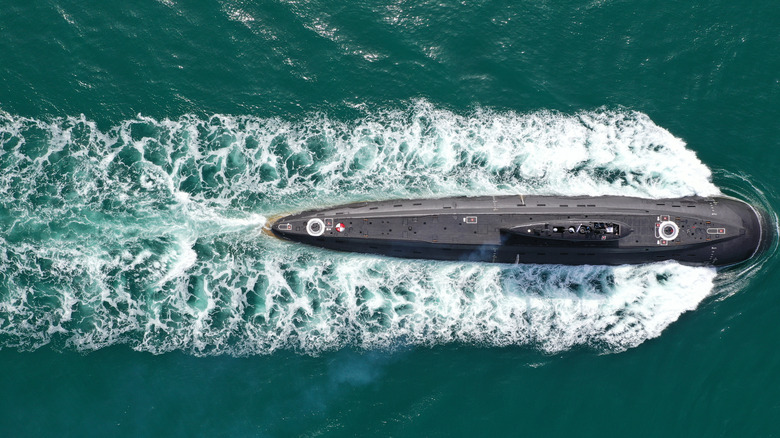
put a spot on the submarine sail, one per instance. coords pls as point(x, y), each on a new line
point(607, 230)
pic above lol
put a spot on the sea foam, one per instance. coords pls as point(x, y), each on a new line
point(149, 233)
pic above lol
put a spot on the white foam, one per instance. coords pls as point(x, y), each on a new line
point(424, 150)
point(365, 302)
point(172, 256)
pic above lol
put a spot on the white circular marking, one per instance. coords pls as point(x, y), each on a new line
point(315, 227)
point(667, 234)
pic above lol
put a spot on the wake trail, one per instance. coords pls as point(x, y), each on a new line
point(150, 233)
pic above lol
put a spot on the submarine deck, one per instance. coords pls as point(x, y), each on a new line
point(536, 229)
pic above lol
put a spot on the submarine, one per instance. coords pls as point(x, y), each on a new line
point(605, 230)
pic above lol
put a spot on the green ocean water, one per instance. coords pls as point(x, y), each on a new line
point(143, 147)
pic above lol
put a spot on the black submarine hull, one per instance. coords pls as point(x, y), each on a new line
point(607, 230)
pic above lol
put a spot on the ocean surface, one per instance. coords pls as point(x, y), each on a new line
point(144, 145)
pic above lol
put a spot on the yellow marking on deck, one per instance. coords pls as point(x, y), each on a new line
point(267, 226)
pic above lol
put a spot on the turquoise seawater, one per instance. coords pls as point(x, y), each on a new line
point(144, 146)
